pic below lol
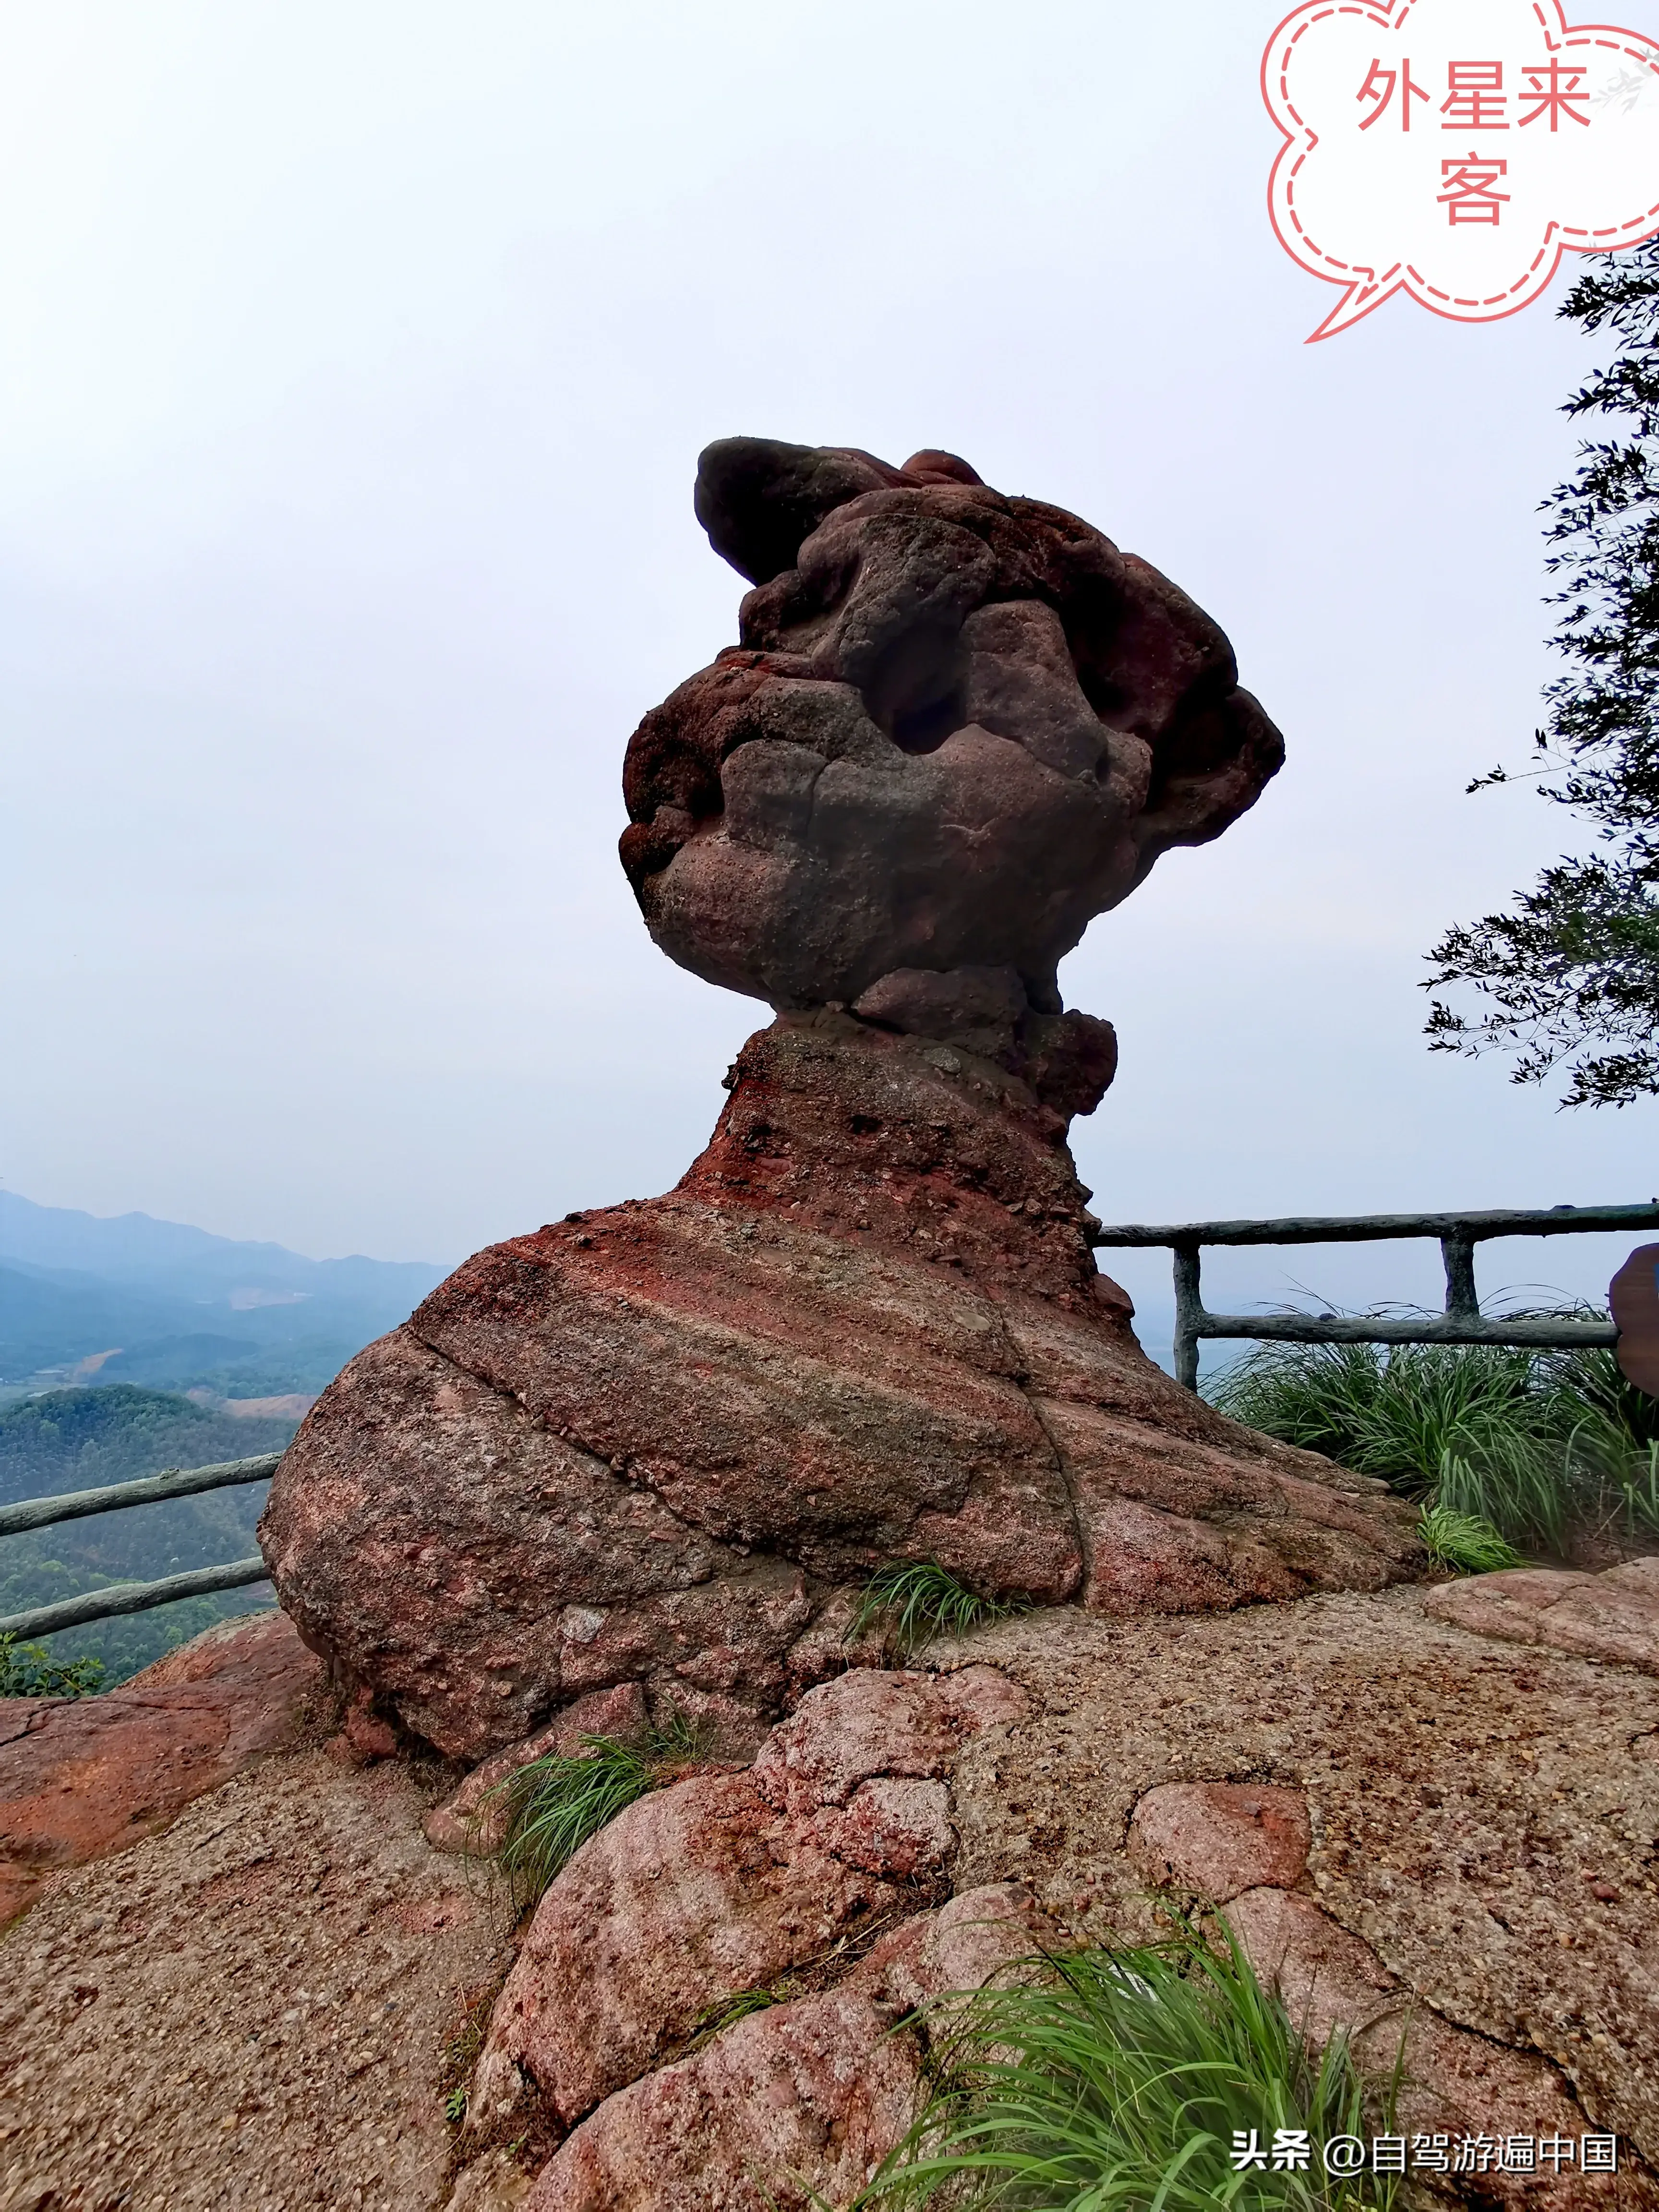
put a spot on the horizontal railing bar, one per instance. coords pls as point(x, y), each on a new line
point(1299, 1328)
point(172, 1482)
point(1362, 1228)
point(132, 1597)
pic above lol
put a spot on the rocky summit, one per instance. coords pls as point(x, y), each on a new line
point(639, 1466)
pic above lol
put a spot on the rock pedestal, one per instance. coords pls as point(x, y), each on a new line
point(662, 1445)
point(660, 1442)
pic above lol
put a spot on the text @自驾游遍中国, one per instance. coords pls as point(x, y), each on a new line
point(1456, 149)
point(1294, 2150)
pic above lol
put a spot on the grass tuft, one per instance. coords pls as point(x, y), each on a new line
point(1105, 2081)
point(744, 2006)
point(1538, 1443)
point(917, 1600)
point(28, 1670)
point(554, 1804)
point(1464, 1542)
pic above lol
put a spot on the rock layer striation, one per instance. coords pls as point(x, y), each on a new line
point(658, 1443)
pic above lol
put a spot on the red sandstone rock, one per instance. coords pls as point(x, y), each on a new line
point(1613, 1616)
point(18, 1891)
point(494, 2183)
point(474, 1820)
point(806, 2095)
point(973, 1936)
point(1219, 1837)
point(957, 725)
point(656, 1443)
point(690, 1895)
point(723, 1882)
point(876, 1722)
point(1455, 2081)
point(863, 1758)
point(80, 1776)
point(365, 1735)
point(811, 2094)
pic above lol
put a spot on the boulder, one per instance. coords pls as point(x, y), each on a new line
point(658, 1444)
point(956, 725)
point(722, 1883)
point(692, 1896)
point(807, 2095)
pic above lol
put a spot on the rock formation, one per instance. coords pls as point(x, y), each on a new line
point(1411, 1825)
point(659, 1444)
point(956, 727)
point(641, 1459)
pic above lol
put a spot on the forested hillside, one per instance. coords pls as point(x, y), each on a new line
point(80, 1439)
point(129, 1299)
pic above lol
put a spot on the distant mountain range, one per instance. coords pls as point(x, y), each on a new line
point(85, 1301)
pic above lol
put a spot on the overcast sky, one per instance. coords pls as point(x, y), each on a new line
point(354, 364)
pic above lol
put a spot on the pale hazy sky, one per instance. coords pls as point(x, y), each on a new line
point(354, 362)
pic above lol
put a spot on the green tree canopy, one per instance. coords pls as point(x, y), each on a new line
point(1569, 978)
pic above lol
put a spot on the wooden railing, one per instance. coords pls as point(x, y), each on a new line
point(133, 1597)
point(1462, 1321)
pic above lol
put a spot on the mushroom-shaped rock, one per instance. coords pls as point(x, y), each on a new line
point(957, 725)
point(663, 1444)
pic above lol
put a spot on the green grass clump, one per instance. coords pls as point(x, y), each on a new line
point(1114, 2080)
point(1537, 1443)
point(554, 1804)
point(917, 1600)
point(1464, 1542)
point(28, 1670)
point(744, 2006)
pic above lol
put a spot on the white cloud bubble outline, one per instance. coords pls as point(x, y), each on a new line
point(1362, 289)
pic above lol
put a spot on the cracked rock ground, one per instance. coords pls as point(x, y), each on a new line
point(278, 1975)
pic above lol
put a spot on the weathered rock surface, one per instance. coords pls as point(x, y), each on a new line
point(1453, 2082)
point(690, 1895)
point(1414, 1834)
point(649, 1444)
point(475, 1820)
point(957, 727)
point(820, 2088)
point(260, 1998)
point(658, 1445)
point(253, 2008)
point(80, 1776)
point(1614, 1615)
point(1483, 1822)
point(723, 1882)
point(1219, 1837)
point(809, 2094)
